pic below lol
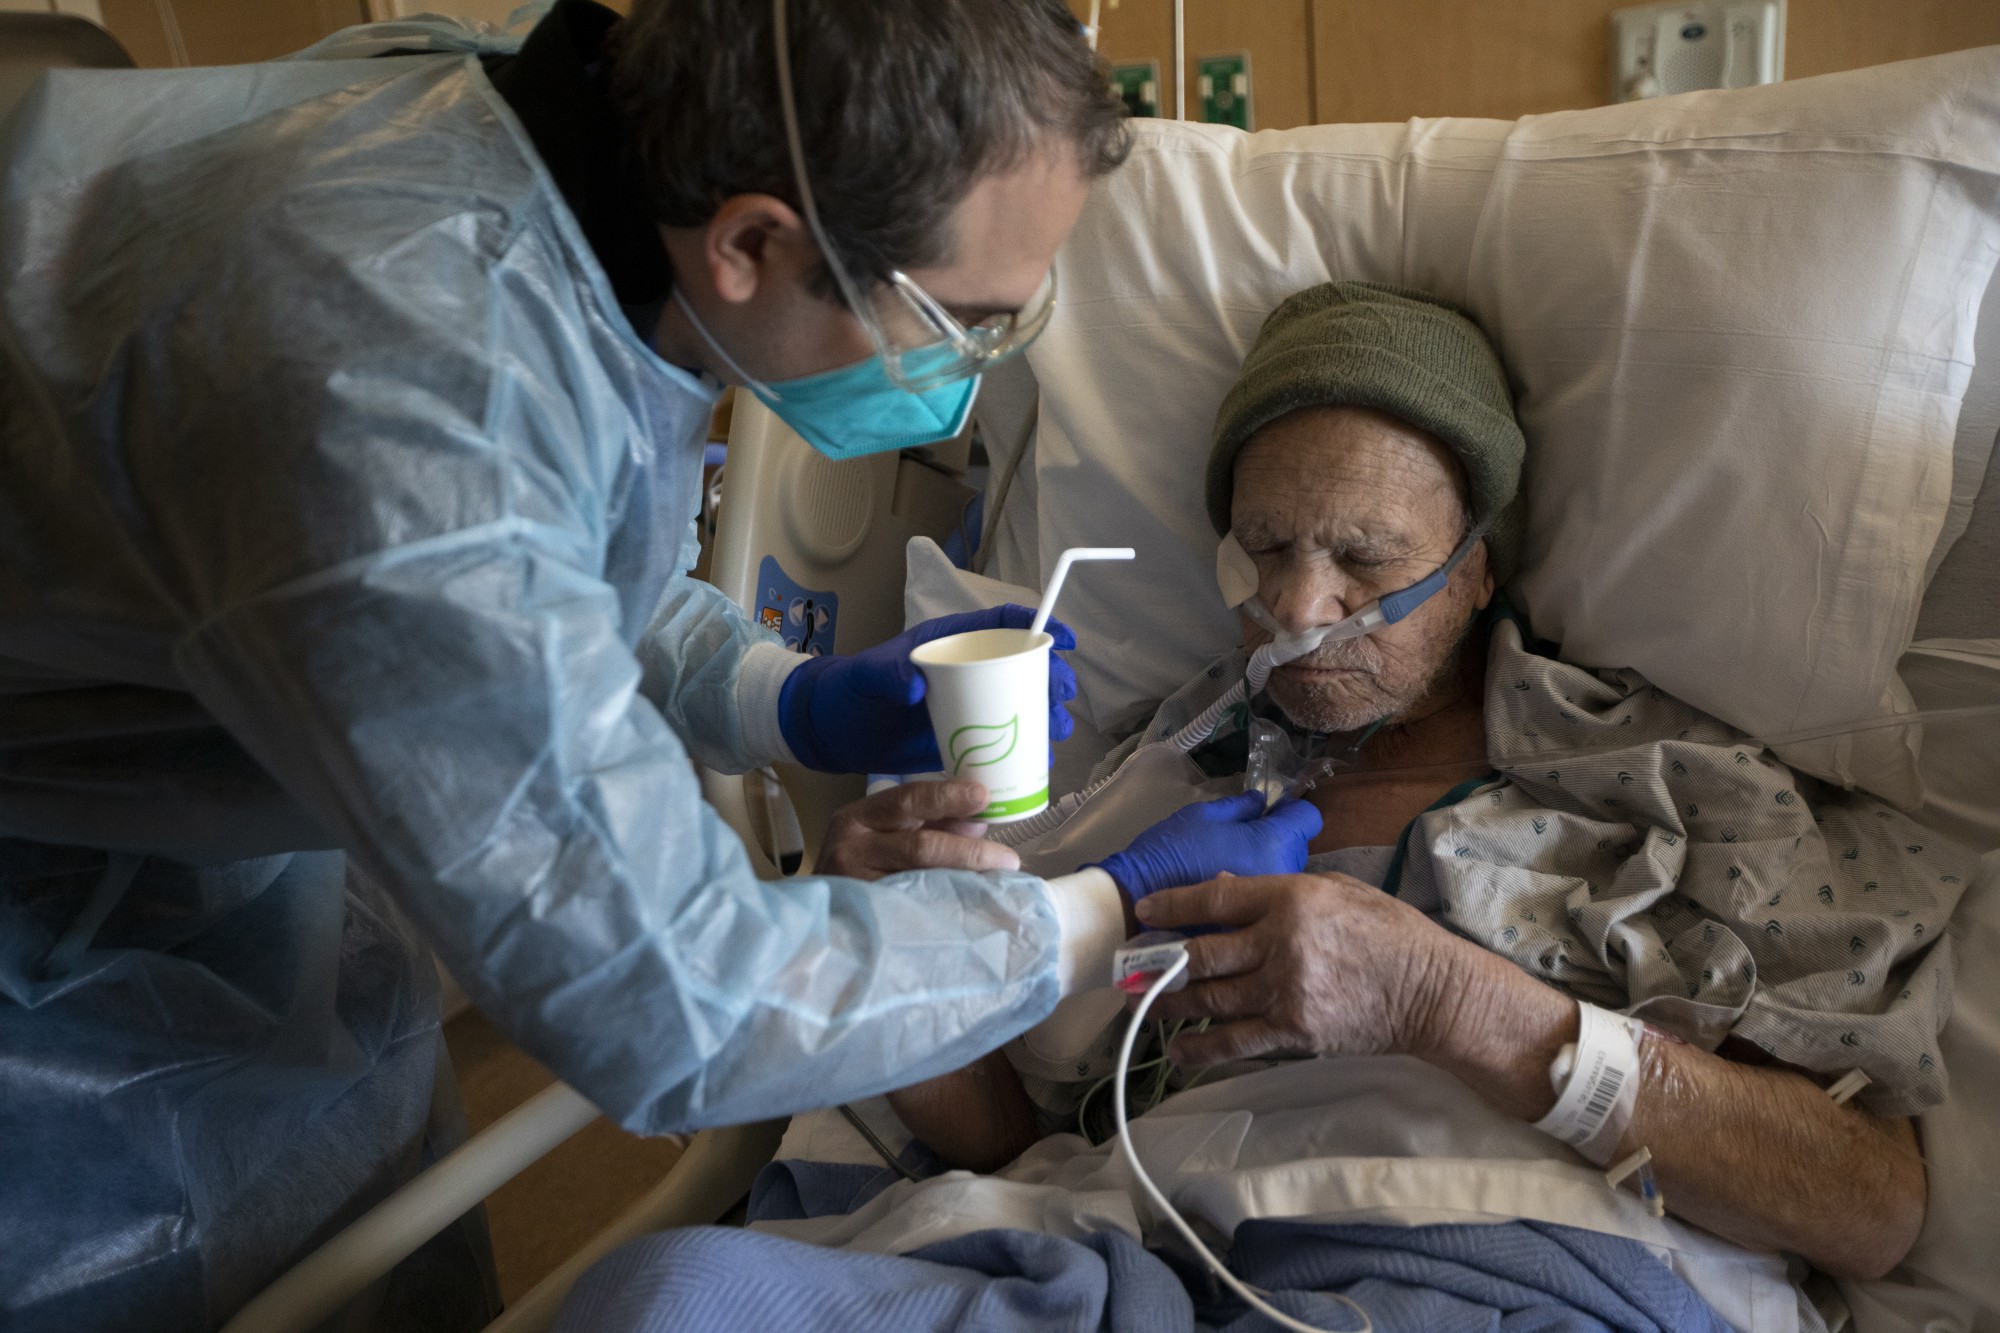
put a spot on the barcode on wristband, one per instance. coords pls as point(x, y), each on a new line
point(1604, 1095)
point(1600, 1074)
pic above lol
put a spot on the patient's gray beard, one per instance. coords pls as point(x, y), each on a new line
point(1339, 708)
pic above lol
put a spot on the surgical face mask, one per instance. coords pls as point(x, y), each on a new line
point(1236, 574)
point(856, 410)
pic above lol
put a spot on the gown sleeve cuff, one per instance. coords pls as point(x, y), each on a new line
point(766, 668)
point(1090, 912)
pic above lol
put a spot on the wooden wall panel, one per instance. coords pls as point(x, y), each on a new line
point(225, 32)
point(1376, 61)
point(1379, 61)
point(230, 32)
point(1823, 36)
point(136, 24)
point(1324, 60)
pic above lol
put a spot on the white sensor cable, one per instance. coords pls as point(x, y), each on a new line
point(1250, 1295)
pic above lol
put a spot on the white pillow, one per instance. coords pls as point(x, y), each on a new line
point(1163, 285)
point(1961, 757)
point(1978, 427)
point(1739, 326)
point(1962, 600)
point(1961, 1138)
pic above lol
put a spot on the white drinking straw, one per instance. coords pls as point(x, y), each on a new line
point(1070, 557)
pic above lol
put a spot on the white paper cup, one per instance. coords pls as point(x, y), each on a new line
point(988, 692)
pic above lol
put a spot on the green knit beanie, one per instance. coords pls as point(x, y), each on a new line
point(1365, 344)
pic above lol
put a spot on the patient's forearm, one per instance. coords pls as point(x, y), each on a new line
point(1758, 1155)
point(977, 1118)
point(1764, 1157)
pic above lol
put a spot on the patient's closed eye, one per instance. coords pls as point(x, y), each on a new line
point(1373, 556)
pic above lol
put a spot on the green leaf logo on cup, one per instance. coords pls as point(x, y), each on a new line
point(973, 678)
point(977, 745)
point(990, 673)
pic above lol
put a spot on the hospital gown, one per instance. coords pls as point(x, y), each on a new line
point(341, 507)
point(1641, 855)
point(1646, 857)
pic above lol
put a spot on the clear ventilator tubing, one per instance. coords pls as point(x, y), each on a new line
point(1280, 650)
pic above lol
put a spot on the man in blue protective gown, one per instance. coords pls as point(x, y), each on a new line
point(351, 412)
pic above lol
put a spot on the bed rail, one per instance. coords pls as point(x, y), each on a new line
point(708, 1179)
point(391, 1231)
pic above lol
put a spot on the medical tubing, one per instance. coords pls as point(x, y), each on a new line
point(795, 147)
point(1058, 814)
point(1263, 662)
point(1248, 1294)
point(1662, 1079)
point(1395, 605)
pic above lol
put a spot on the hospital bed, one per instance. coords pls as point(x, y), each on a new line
point(1100, 436)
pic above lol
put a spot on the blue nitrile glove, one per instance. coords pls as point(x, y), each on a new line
point(1198, 843)
point(865, 713)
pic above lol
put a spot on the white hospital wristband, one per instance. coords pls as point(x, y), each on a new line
point(1090, 912)
point(1597, 1084)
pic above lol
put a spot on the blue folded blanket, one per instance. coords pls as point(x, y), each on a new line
point(1514, 1277)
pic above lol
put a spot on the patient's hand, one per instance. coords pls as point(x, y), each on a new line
point(1317, 965)
point(1327, 965)
point(917, 826)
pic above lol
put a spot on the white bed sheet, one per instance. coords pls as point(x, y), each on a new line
point(1359, 1139)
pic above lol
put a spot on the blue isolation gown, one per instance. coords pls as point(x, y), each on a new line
point(344, 534)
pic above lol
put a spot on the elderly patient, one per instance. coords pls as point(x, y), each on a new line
point(1546, 835)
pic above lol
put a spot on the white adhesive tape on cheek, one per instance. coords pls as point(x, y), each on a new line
point(1600, 1084)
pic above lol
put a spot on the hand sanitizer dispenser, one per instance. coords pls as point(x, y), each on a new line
point(1658, 50)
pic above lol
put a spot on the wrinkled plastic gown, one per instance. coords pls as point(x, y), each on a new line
point(191, 1096)
point(341, 507)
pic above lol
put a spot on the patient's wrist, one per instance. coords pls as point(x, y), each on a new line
point(1497, 1030)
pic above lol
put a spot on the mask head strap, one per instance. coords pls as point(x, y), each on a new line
point(750, 382)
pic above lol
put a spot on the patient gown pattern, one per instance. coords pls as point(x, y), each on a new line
point(1646, 857)
point(1641, 855)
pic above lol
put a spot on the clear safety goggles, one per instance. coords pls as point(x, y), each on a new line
point(1236, 574)
point(922, 344)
